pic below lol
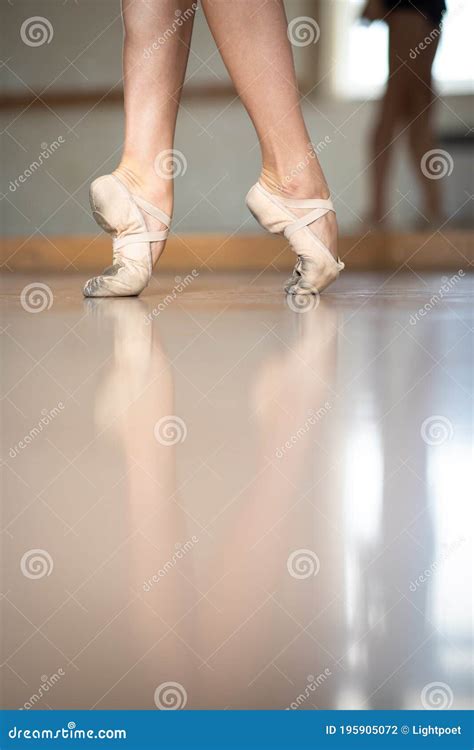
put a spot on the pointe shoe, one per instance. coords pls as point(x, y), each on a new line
point(316, 267)
point(121, 214)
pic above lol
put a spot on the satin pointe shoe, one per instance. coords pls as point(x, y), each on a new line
point(316, 267)
point(122, 214)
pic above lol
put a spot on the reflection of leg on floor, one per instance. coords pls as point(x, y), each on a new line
point(404, 546)
point(135, 402)
point(264, 612)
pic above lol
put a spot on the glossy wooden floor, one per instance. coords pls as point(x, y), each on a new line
point(216, 497)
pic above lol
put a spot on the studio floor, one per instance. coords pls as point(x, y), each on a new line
point(216, 497)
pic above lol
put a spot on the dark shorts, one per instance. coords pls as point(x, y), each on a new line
point(433, 10)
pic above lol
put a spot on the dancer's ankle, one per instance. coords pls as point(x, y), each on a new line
point(156, 190)
point(295, 183)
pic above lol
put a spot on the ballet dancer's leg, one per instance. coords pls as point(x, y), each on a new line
point(253, 41)
point(156, 49)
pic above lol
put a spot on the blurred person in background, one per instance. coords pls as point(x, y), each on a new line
point(407, 106)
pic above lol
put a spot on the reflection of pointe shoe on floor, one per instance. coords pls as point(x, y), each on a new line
point(316, 267)
point(122, 214)
point(134, 362)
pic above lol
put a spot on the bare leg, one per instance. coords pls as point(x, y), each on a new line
point(382, 143)
point(252, 39)
point(156, 49)
point(391, 113)
point(408, 99)
point(420, 112)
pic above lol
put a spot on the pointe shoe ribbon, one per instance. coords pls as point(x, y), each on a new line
point(316, 267)
point(122, 214)
point(133, 238)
